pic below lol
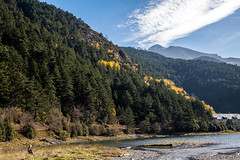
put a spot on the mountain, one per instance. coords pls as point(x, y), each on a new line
point(206, 58)
point(56, 70)
point(218, 84)
point(185, 53)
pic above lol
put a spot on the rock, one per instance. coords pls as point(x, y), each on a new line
point(51, 141)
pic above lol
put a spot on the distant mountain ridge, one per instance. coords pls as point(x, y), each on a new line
point(185, 53)
point(216, 83)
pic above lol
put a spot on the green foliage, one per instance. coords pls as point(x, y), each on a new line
point(98, 130)
point(76, 129)
point(63, 135)
point(28, 131)
point(145, 126)
point(2, 133)
point(128, 119)
point(85, 130)
point(229, 124)
point(203, 127)
point(9, 131)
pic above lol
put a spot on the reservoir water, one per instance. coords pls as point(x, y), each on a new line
point(225, 143)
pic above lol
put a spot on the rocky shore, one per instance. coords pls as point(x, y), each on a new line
point(138, 155)
point(154, 155)
point(217, 156)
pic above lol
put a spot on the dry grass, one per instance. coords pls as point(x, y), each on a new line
point(212, 133)
point(17, 149)
point(57, 152)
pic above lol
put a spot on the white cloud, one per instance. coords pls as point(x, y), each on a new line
point(163, 21)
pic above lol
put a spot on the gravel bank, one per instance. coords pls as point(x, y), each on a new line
point(138, 155)
point(220, 156)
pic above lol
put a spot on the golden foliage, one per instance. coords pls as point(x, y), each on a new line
point(208, 107)
point(146, 78)
point(134, 67)
point(110, 51)
point(178, 90)
point(168, 82)
point(111, 64)
point(97, 45)
point(114, 112)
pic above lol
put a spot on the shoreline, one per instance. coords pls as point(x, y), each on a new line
point(44, 140)
point(217, 156)
point(68, 148)
point(138, 154)
point(149, 154)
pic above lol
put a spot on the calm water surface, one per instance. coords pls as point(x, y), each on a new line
point(224, 144)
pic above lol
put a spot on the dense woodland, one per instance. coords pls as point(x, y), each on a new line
point(54, 69)
point(216, 83)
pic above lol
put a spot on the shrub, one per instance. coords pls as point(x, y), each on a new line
point(156, 127)
point(26, 118)
point(63, 135)
point(9, 132)
point(85, 130)
point(2, 133)
point(203, 127)
point(66, 124)
point(12, 114)
point(113, 131)
point(28, 131)
point(55, 120)
point(97, 130)
point(76, 129)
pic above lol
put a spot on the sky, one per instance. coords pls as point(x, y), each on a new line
point(210, 26)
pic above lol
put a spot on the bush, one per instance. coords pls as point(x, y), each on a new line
point(9, 132)
point(12, 114)
point(97, 130)
point(76, 129)
point(203, 127)
point(2, 133)
point(85, 130)
point(113, 131)
point(28, 131)
point(63, 135)
point(55, 120)
point(156, 127)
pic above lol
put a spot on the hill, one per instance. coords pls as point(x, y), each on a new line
point(206, 58)
point(56, 70)
point(218, 84)
point(187, 54)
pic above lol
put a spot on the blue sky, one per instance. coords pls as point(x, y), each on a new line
point(210, 26)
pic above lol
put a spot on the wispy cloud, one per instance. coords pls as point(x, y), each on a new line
point(229, 38)
point(163, 21)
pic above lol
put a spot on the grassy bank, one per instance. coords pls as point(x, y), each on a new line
point(62, 152)
point(17, 149)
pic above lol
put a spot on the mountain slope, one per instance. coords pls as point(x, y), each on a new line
point(187, 54)
point(216, 83)
point(55, 68)
point(206, 58)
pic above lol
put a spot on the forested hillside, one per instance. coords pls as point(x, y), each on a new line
point(218, 84)
point(56, 70)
